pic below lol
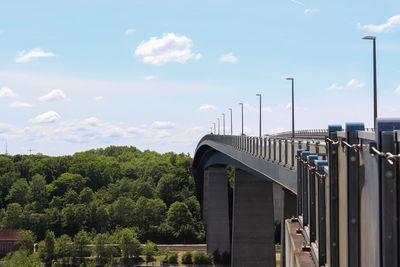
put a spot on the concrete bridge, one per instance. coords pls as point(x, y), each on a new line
point(335, 193)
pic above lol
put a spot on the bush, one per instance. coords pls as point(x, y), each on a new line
point(173, 258)
point(201, 258)
point(187, 258)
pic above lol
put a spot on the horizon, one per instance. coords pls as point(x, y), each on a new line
point(156, 75)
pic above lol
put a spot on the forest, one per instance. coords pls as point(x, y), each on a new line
point(101, 191)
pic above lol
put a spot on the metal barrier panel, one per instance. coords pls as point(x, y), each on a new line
point(305, 180)
point(328, 224)
point(342, 207)
point(369, 207)
point(312, 215)
point(280, 150)
point(299, 183)
point(289, 154)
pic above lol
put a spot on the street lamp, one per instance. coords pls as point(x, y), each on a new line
point(373, 38)
point(218, 125)
point(211, 132)
point(242, 117)
point(223, 123)
point(260, 114)
point(292, 79)
point(231, 121)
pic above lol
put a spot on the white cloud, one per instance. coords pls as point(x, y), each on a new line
point(198, 56)
point(150, 77)
point(389, 25)
point(163, 125)
point(92, 121)
point(129, 31)
point(266, 109)
point(7, 93)
point(228, 58)
point(353, 83)
point(169, 48)
point(18, 104)
point(163, 134)
point(397, 91)
point(311, 10)
point(47, 117)
point(208, 107)
point(297, 2)
point(24, 56)
point(335, 86)
point(99, 98)
point(54, 95)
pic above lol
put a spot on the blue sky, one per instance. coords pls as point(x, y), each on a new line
point(154, 74)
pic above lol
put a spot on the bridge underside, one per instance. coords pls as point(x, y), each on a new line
point(241, 220)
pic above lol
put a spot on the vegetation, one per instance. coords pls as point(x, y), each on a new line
point(100, 191)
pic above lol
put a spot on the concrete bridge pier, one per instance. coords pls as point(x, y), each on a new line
point(253, 241)
point(216, 209)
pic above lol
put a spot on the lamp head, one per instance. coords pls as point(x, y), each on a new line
point(290, 79)
point(369, 37)
point(258, 94)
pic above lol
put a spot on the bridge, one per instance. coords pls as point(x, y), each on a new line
point(334, 191)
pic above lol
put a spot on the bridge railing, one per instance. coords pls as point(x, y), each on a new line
point(280, 148)
point(348, 189)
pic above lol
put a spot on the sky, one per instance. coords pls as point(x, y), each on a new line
point(77, 75)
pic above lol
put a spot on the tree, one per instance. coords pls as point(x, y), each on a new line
point(130, 246)
point(39, 194)
point(181, 221)
point(86, 195)
point(168, 188)
point(103, 249)
point(80, 241)
point(63, 247)
point(13, 216)
point(26, 240)
point(149, 212)
point(21, 258)
point(48, 253)
point(65, 182)
point(150, 251)
point(19, 192)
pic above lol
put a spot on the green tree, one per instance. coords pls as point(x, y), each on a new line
point(149, 212)
point(39, 194)
point(65, 182)
point(181, 221)
point(26, 240)
point(48, 253)
point(103, 249)
point(19, 192)
point(22, 258)
point(168, 188)
point(13, 216)
point(63, 247)
point(150, 251)
point(81, 239)
point(130, 246)
point(86, 195)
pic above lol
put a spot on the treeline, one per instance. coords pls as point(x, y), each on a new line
point(99, 191)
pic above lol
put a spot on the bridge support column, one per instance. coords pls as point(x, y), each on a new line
point(289, 210)
point(253, 222)
point(216, 209)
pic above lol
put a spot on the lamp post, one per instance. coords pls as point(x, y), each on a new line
point(373, 38)
point(260, 115)
point(215, 130)
point(242, 117)
point(231, 121)
point(223, 123)
point(211, 132)
point(218, 125)
point(292, 79)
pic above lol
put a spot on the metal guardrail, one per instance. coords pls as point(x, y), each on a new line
point(348, 189)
